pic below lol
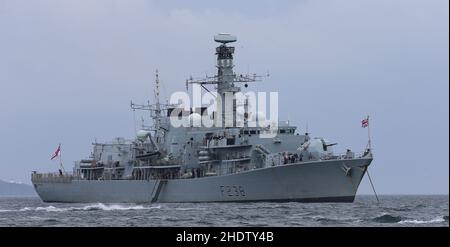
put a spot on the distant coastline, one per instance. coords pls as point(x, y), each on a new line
point(13, 189)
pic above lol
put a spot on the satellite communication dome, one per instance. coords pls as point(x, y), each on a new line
point(225, 38)
point(143, 134)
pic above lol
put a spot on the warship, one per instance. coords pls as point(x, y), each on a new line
point(221, 153)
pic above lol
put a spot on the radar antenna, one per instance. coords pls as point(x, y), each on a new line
point(225, 79)
point(225, 66)
point(156, 109)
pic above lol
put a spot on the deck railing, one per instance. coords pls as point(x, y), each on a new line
point(279, 159)
point(348, 155)
point(52, 177)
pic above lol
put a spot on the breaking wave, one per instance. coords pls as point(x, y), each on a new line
point(435, 220)
point(94, 207)
point(47, 209)
point(101, 206)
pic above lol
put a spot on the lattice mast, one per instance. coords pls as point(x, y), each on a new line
point(225, 81)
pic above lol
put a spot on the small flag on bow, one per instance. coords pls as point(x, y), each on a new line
point(57, 152)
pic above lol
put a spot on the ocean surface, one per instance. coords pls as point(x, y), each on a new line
point(403, 211)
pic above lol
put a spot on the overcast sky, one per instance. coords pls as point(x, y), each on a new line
point(69, 68)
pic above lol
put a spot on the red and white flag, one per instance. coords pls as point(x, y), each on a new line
point(365, 123)
point(57, 152)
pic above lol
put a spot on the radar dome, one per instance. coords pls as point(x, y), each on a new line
point(142, 134)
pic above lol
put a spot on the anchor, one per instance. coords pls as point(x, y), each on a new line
point(347, 170)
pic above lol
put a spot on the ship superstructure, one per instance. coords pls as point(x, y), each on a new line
point(216, 154)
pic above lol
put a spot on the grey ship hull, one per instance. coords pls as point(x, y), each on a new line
point(317, 181)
